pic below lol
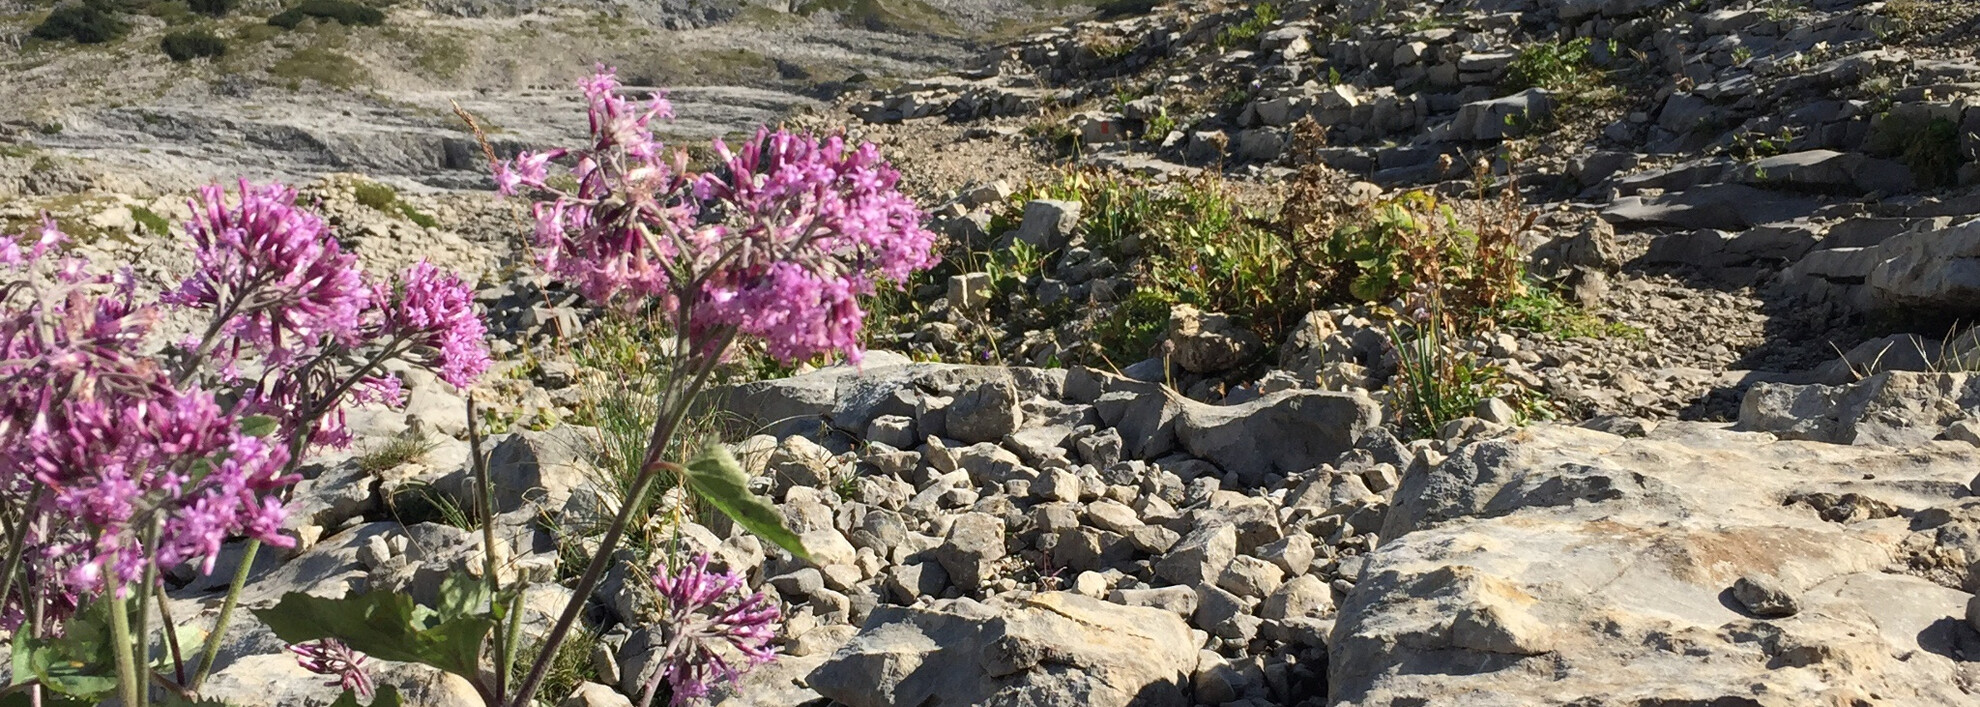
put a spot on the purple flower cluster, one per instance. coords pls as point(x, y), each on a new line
point(143, 465)
point(434, 309)
point(777, 244)
point(331, 657)
point(277, 279)
point(811, 225)
point(704, 611)
point(116, 446)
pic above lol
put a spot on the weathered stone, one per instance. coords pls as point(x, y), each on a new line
point(974, 542)
point(1209, 342)
point(1894, 408)
point(1647, 534)
point(1048, 225)
point(1306, 427)
point(1765, 597)
point(1201, 556)
point(1056, 648)
point(985, 413)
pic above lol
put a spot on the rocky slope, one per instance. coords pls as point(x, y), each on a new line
point(1757, 488)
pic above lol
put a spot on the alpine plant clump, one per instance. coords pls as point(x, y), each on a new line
point(773, 246)
point(123, 455)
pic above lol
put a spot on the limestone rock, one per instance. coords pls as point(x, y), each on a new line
point(1494, 563)
point(1057, 648)
point(1282, 433)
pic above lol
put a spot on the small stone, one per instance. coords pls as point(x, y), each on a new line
point(1251, 577)
point(592, 694)
point(895, 431)
point(969, 292)
point(1107, 514)
point(1765, 597)
point(1496, 411)
point(1058, 485)
point(1092, 584)
point(1293, 553)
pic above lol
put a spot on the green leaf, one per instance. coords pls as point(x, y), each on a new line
point(461, 595)
point(386, 696)
point(716, 476)
point(258, 425)
point(386, 625)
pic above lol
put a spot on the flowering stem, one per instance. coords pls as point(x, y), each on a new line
point(128, 686)
point(146, 585)
point(17, 531)
point(652, 688)
point(171, 637)
point(663, 432)
point(296, 445)
point(212, 649)
point(485, 490)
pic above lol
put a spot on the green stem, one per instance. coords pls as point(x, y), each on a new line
point(17, 532)
point(145, 587)
point(128, 687)
point(296, 445)
point(212, 650)
point(663, 432)
point(485, 503)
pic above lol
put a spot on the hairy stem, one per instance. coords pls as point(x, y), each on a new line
point(172, 638)
point(212, 649)
point(485, 502)
point(17, 532)
point(663, 432)
point(129, 689)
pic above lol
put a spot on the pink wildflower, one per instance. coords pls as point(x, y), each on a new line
point(435, 309)
point(331, 657)
point(273, 270)
point(703, 610)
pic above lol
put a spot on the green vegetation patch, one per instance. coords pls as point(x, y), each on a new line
point(192, 44)
point(86, 23)
point(886, 15)
point(1262, 16)
point(322, 65)
point(1928, 145)
point(343, 12)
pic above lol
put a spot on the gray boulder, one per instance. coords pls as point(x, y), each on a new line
point(1049, 649)
point(1485, 597)
point(1282, 433)
point(1893, 408)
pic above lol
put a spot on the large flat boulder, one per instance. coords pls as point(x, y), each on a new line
point(1282, 433)
point(1049, 649)
point(1565, 566)
point(1893, 408)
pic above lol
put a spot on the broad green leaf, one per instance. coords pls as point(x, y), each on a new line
point(385, 625)
point(386, 696)
point(258, 425)
point(461, 594)
point(79, 664)
point(716, 476)
point(48, 699)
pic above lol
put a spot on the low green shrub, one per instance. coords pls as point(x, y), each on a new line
point(192, 44)
point(87, 23)
point(1262, 16)
point(1928, 145)
point(1555, 66)
point(213, 8)
point(152, 222)
point(344, 12)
